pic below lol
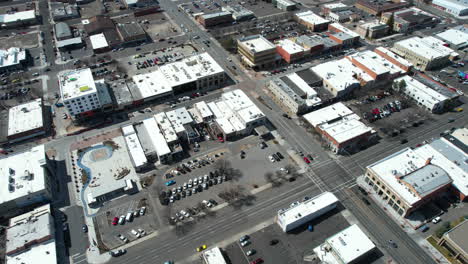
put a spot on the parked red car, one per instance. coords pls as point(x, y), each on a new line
point(221, 139)
point(115, 221)
point(257, 261)
point(306, 160)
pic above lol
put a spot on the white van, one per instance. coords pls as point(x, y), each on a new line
point(129, 217)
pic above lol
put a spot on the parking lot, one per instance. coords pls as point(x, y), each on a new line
point(227, 172)
point(145, 62)
point(274, 246)
point(109, 232)
point(158, 26)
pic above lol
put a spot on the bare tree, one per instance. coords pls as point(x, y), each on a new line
point(236, 196)
point(224, 167)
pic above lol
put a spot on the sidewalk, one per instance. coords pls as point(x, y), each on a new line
point(404, 224)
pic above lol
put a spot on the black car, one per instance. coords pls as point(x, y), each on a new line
point(274, 242)
point(275, 156)
point(280, 155)
point(85, 228)
point(117, 253)
point(213, 202)
point(365, 201)
point(403, 141)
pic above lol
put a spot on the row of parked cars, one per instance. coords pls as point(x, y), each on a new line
point(129, 217)
point(384, 111)
point(245, 241)
point(191, 165)
point(193, 186)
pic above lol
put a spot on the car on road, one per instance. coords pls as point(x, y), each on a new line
point(169, 183)
point(201, 248)
point(274, 242)
point(310, 157)
point(306, 160)
point(117, 253)
point(392, 243)
point(365, 201)
point(115, 221)
point(85, 228)
point(250, 252)
point(403, 141)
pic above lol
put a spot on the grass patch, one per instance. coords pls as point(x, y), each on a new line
point(442, 250)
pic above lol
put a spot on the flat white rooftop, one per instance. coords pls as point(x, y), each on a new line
point(302, 209)
point(17, 16)
point(239, 102)
point(134, 147)
point(190, 69)
point(392, 55)
point(327, 114)
point(426, 47)
point(344, 29)
point(166, 127)
point(461, 134)
point(157, 138)
point(290, 47)
point(334, 5)
point(214, 256)
point(179, 117)
point(25, 117)
point(203, 109)
point(421, 90)
point(376, 63)
point(346, 246)
point(11, 56)
point(340, 73)
point(43, 253)
point(457, 36)
point(346, 129)
point(312, 18)
point(152, 84)
point(76, 83)
point(301, 84)
point(257, 43)
point(98, 41)
point(27, 228)
point(22, 174)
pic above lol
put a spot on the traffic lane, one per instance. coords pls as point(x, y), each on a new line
point(78, 239)
point(374, 219)
point(228, 222)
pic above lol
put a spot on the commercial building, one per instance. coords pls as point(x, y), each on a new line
point(79, 93)
point(341, 128)
point(98, 24)
point(18, 19)
point(62, 31)
point(26, 179)
point(454, 7)
point(373, 30)
point(99, 43)
point(134, 148)
point(213, 19)
point(340, 16)
point(303, 212)
point(146, 5)
point(69, 44)
point(376, 66)
point(431, 100)
point(213, 256)
point(257, 52)
point(334, 7)
point(12, 59)
point(410, 178)
point(377, 7)
point(425, 53)
point(63, 11)
point(409, 19)
point(313, 44)
point(456, 37)
point(312, 21)
point(30, 238)
point(349, 246)
point(340, 77)
point(238, 12)
point(131, 34)
point(26, 121)
point(455, 241)
point(192, 74)
point(293, 94)
point(122, 95)
point(290, 51)
point(285, 5)
point(394, 59)
point(345, 36)
point(235, 115)
point(157, 147)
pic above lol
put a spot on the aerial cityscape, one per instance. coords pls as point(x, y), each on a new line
point(233, 132)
